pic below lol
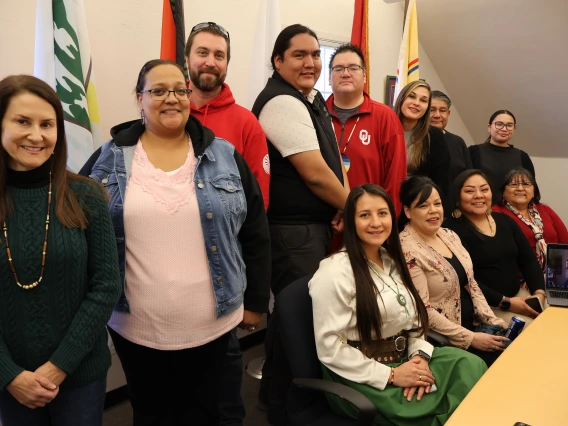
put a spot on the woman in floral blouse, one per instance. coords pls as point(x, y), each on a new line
point(442, 271)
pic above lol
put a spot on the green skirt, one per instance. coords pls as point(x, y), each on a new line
point(456, 372)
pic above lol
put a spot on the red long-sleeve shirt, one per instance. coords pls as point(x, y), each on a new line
point(376, 149)
point(554, 229)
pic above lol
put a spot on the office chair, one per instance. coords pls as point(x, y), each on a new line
point(306, 403)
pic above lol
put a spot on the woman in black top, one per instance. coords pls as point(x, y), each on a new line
point(427, 151)
point(498, 248)
point(496, 157)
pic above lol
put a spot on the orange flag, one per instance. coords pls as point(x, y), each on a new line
point(173, 32)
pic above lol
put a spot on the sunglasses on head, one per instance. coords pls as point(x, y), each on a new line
point(204, 25)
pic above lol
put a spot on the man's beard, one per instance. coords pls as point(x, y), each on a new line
point(207, 83)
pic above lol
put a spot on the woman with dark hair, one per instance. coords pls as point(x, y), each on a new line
point(59, 275)
point(193, 247)
point(371, 325)
point(540, 224)
point(427, 150)
point(442, 271)
point(496, 156)
point(498, 248)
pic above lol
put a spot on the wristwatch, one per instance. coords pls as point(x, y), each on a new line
point(505, 304)
point(421, 354)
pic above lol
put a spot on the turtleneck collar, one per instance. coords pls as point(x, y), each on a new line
point(29, 179)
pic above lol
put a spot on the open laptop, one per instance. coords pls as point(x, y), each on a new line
point(557, 274)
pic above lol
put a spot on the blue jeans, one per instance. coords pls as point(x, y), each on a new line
point(79, 406)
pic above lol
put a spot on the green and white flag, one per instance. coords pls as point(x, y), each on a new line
point(63, 60)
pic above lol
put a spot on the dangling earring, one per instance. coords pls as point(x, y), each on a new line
point(142, 117)
point(456, 213)
point(489, 211)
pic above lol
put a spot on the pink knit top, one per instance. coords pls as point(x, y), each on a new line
point(168, 284)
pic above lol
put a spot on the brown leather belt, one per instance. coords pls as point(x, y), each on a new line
point(391, 349)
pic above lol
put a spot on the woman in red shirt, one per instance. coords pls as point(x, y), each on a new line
point(540, 224)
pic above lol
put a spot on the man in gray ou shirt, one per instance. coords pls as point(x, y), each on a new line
point(439, 115)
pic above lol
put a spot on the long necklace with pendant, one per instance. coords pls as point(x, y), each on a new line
point(399, 296)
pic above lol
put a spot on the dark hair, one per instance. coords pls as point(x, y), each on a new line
point(494, 116)
point(457, 186)
point(512, 174)
point(211, 29)
point(417, 187)
point(282, 43)
point(68, 209)
point(148, 66)
point(368, 315)
point(436, 94)
point(419, 143)
point(348, 47)
point(459, 182)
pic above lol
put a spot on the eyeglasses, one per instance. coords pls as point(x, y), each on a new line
point(204, 25)
point(517, 184)
point(339, 69)
point(499, 125)
point(182, 94)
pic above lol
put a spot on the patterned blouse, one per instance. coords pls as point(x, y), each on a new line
point(439, 287)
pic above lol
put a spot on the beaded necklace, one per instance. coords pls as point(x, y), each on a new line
point(44, 251)
point(399, 296)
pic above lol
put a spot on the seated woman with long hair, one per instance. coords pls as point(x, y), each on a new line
point(371, 325)
point(498, 249)
point(441, 270)
point(540, 224)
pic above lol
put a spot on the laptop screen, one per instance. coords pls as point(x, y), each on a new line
point(557, 267)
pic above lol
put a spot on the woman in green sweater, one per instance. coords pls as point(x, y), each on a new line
point(59, 277)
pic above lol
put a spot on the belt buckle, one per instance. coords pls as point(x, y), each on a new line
point(400, 340)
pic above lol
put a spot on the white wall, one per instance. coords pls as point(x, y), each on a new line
point(552, 183)
point(125, 34)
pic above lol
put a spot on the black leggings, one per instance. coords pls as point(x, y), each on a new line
point(174, 388)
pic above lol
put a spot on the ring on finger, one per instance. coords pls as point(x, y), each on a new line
point(494, 347)
point(419, 377)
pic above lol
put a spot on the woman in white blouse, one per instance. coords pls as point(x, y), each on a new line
point(370, 324)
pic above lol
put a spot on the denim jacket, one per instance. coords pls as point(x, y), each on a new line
point(235, 228)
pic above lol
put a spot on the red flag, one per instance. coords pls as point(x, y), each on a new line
point(360, 35)
point(173, 32)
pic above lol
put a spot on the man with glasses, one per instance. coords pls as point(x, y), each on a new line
point(439, 115)
point(208, 51)
point(369, 133)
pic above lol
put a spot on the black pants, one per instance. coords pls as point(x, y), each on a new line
point(230, 403)
point(172, 388)
point(296, 252)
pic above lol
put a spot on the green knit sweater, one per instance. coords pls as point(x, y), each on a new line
point(63, 319)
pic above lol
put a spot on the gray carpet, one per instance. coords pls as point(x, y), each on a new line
point(121, 415)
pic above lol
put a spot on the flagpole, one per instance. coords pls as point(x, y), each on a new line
point(405, 12)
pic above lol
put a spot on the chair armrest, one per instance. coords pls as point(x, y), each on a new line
point(438, 339)
point(366, 408)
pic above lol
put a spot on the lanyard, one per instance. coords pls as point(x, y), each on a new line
point(350, 134)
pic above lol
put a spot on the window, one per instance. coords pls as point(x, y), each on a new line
point(328, 43)
point(323, 83)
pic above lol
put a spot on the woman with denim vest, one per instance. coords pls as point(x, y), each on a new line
point(59, 275)
point(194, 250)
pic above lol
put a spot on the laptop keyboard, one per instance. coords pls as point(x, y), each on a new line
point(558, 294)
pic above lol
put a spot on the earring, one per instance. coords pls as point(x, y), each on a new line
point(489, 211)
point(142, 117)
point(456, 213)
